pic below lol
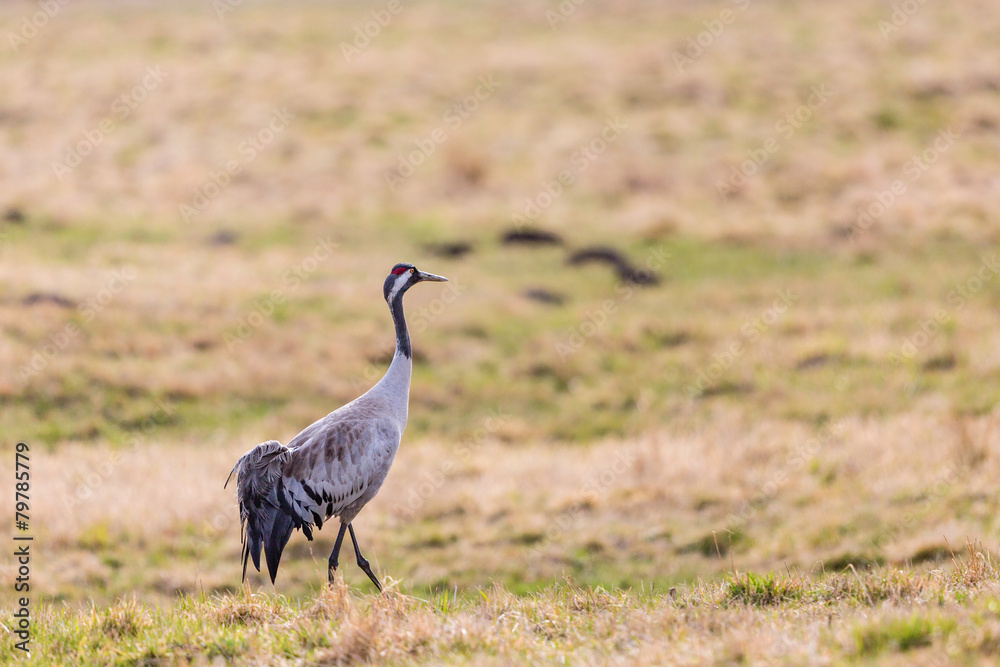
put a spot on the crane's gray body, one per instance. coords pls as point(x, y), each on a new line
point(335, 466)
point(344, 458)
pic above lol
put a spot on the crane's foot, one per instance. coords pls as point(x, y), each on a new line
point(363, 564)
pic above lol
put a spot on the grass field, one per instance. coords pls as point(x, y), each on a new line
point(782, 449)
point(747, 618)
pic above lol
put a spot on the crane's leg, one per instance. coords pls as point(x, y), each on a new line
point(362, 563)
point(335, 554)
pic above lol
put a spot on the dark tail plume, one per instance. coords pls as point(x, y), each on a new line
point(264, 522)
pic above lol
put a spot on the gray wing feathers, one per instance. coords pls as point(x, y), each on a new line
point(332, 468)
point(257, 473)
point(338, 466)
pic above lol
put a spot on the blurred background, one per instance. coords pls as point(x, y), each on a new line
point(723, 281)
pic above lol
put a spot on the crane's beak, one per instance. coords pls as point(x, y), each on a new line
point(431, 277)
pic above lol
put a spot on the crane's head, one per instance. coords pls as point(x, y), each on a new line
point(404, 276)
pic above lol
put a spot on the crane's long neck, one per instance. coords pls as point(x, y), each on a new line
point(395, 385)
point(402, 335)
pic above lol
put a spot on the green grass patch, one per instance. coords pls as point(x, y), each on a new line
point(903, 634)
point(762, 590)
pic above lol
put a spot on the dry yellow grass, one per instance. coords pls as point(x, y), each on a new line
point(663, 508)
point(894, 618)
point(688, 126)
point(810, 389)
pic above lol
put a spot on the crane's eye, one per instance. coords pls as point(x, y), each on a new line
point(413, 270)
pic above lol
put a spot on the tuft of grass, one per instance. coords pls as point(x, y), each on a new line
point(762, 590)
point(122, 620)
point(977, 568)
point(249, 609)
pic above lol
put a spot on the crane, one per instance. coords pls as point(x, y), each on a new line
point(335, 466)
